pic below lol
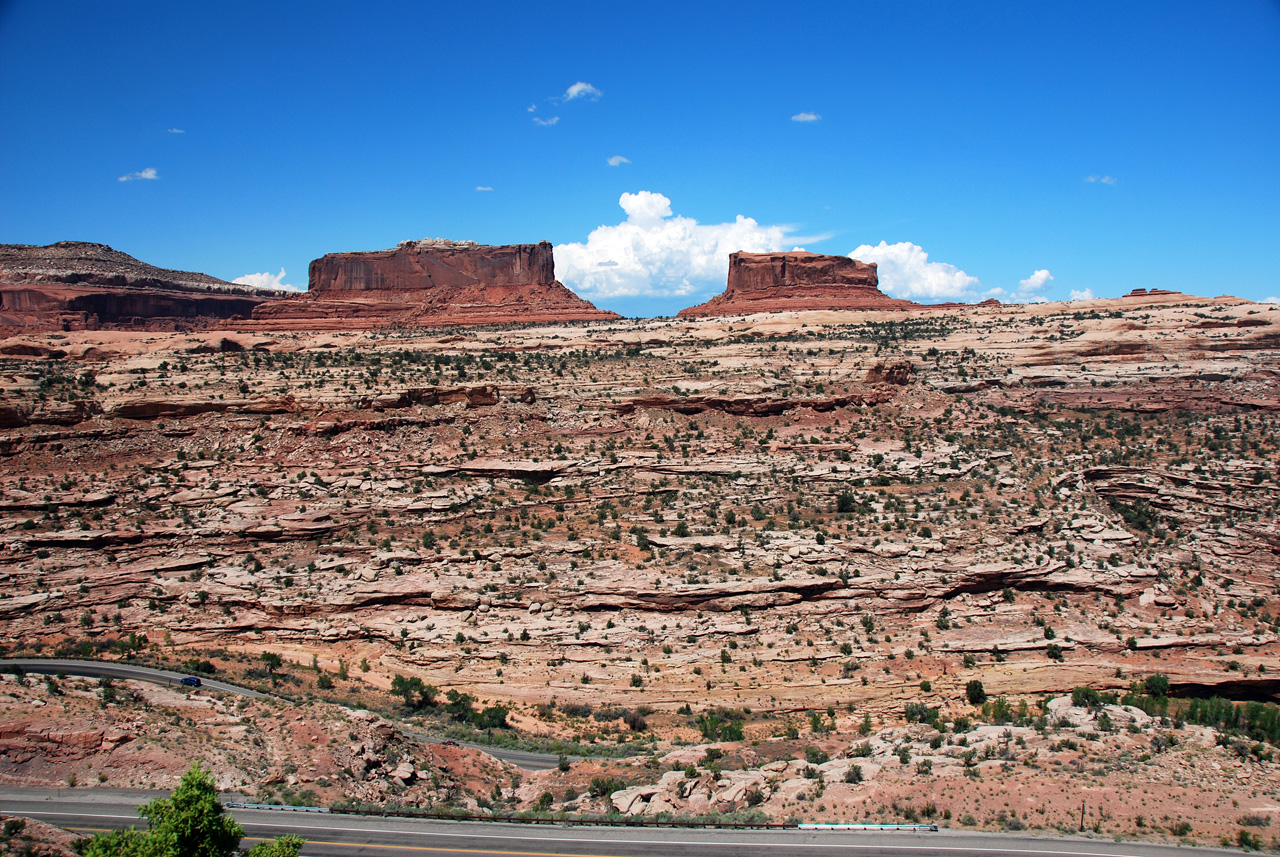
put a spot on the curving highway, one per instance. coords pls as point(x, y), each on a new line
point(98, 669)
point(88, 810)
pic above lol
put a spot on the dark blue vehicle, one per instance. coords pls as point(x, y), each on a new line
point(190, 681)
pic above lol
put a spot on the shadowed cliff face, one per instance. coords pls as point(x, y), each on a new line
point(77, 284)
point(784, 282)
point(428, 265)
point(432, 282)
point(755, 272)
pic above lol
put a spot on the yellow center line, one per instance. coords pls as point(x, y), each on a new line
point(456, 850)
point(403, 847)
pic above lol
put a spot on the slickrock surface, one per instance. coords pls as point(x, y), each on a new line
point(797, 281)
point(76, 285)
point(432, 282)
point(638, 534)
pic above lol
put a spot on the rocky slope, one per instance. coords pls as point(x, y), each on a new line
point(79, 285)
point(782, 282)
point(825, 514)
point(431, 283)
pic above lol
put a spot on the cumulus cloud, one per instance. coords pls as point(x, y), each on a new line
point(1271, 300)
point(581, 90)
point(483, 187)
point(906, 272)
point(618, 160)
point(805, 117)
point(1028, 291)
point(538, 120)
point(655, 253)
point(1035, 282)
point(267, 281)
point(1082, 294)
point(1111, 180)
point(148, 174)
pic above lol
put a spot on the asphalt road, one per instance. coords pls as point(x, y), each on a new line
point(89, 810)
point(520, 758)
point(97, 669)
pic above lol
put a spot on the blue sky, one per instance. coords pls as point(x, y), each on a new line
point(952, 143)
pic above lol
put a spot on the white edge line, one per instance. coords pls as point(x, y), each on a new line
point(693, 842)
point(664, 842)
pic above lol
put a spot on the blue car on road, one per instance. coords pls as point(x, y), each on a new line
point(190, 681)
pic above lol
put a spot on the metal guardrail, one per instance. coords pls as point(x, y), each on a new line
point(930, 828)
point(276, 806)
point(590, 822)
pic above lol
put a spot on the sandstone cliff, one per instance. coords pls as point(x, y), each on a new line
point(782, 282)
point(432, 282)
point(78, 284)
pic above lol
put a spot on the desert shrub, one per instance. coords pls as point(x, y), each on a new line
point(605, 786)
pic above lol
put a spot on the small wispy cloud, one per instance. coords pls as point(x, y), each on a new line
point(532, 108)
point(618, 160)
point(148, 174)
point(581, 90)
point(176, 131)
point(1082, 294)
point(538, 120)
point(483, 187)
point(806, 116)
point(1111, 180)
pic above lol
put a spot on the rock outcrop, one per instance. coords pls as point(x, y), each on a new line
point(74, 285)
point(432, 282)
point(783, 282)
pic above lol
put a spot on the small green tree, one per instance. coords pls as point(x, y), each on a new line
point(1157, 685)
point(414, 692)
point(282, 846)
point(194, 816)
point(189, 823)
point(975, 692)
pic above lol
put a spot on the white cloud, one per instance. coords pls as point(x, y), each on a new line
point(540, 121)
point(618, 160)
point(654, 253)
point(1271, 300)
point(805, 117)
point(483, 187)
point(906, 272)
point(267, 281)
point(176, 131)
point(1082, 294)
point(147, 174)
point(532, 108)
point(1028, 291)
point(1111, 180)
point(582, 90)
point(1036, 281)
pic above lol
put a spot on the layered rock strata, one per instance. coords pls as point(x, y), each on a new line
point(432, 282)
point(74, 285)
point(784, 282)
